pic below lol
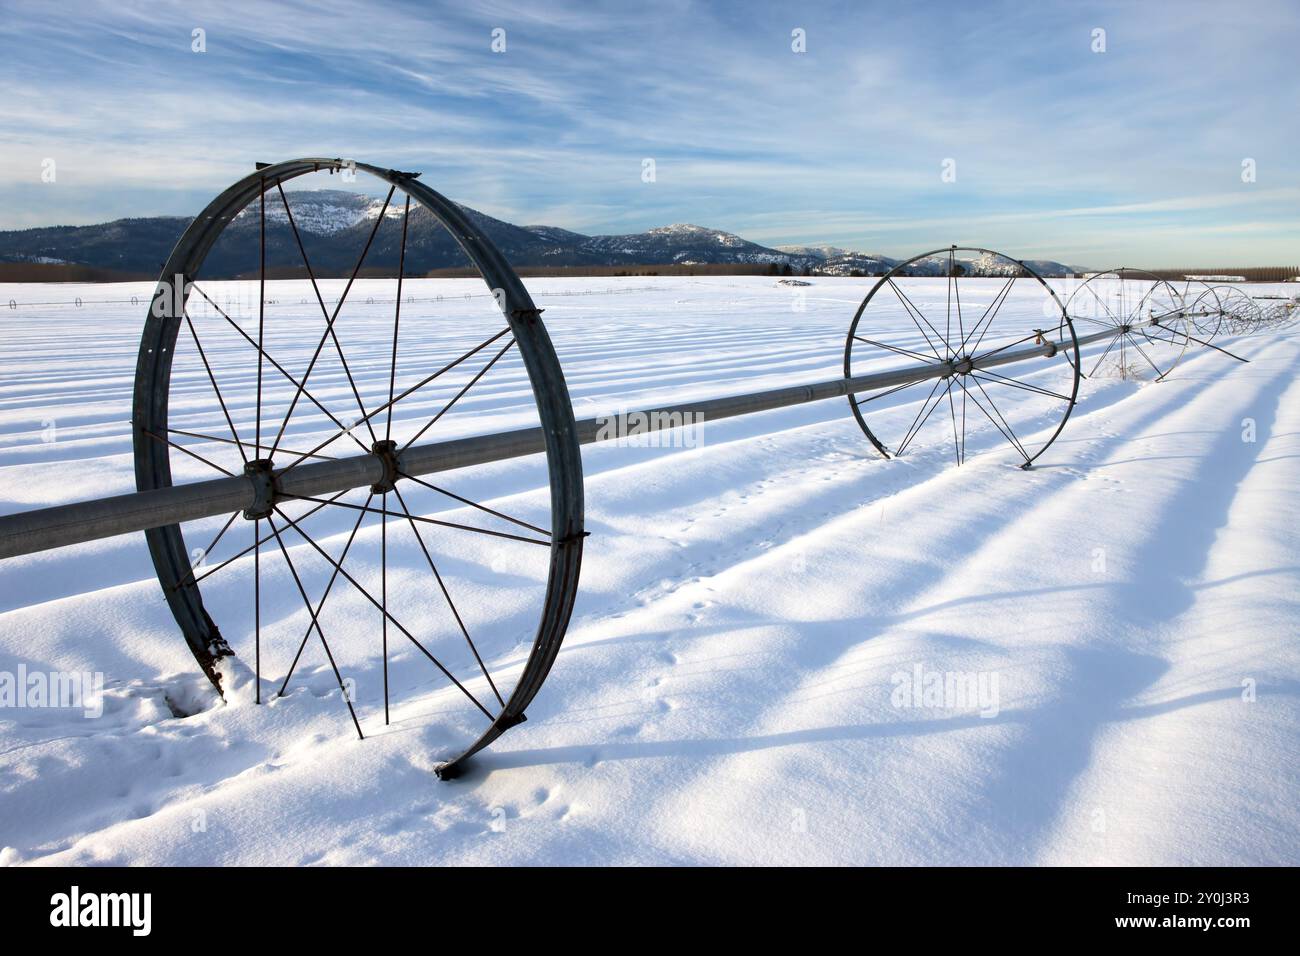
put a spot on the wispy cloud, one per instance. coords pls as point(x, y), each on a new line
point(1058, 150)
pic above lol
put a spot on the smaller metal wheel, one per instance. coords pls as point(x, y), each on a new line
point(1204, 310)
point(989, 343)
point(1133, 324)
point(1241, 315)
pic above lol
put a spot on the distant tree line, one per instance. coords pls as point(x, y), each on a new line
point(1249, 273)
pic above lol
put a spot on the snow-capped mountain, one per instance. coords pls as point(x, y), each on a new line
point(835, 261)
point(322, 212)
point(986, 264)
point(688, 244)
point(856, 263)
point(335, 224)
point(819, 252)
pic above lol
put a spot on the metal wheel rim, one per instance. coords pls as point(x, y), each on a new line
point(1176, 327)
point(1069, 346)
point(150, 415)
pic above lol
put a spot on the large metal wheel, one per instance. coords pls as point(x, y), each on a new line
point(1144, 320)
point(279, 389)
point(960, 326)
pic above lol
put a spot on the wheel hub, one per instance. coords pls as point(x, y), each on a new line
point(262, 473)
point(386, 451)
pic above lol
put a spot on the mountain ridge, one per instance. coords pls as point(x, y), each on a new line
point(335, 224)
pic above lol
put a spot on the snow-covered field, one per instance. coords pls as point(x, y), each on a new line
point(737, 682)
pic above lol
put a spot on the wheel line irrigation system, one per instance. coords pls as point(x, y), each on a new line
point(1156, 327)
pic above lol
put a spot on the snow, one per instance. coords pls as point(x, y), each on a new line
point(824, 251)
point(687, 231)
point(325, 211)
point(745, 678)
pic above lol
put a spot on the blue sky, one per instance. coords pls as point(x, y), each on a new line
point(1131, 156)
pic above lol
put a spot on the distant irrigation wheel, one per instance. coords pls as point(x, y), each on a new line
point(965, 330)
point(1145, 318)
point(1204, 310)
point(270, 409)
point(1281, 315)
point(1241, 314)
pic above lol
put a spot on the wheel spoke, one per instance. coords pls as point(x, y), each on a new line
point(397, 319)
point(1161, 338)
point(908, 353)
point(1159, 374)
point(992, 312)
point(220, 534)
point(1017, 383)
point(320, 633)
point(423, 520)
point(921, 417)
point(997, 299)
point(1114, 319)
point(383, 595)
point(1084, 318)
point(418, 385)
point(956, 294)
point(1146, 297)
point(192, 579)
point(963, 424)
point(329, 320)
point(991, 419)
point(257, 613)
point(459, 395)
point(320, 606)
point(1113, 340)
point(947, 335)
point(329, 325)
point(261, 316)
point(172, 444)
point(1010, 433)
point(447, 595)
point(912, 313)
point(230, 441)
point(475, 504)
point(261, 353)
point(215, 387)
point(889, 391)
point(257, 524)
point(396, 623)
point(952, 411)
